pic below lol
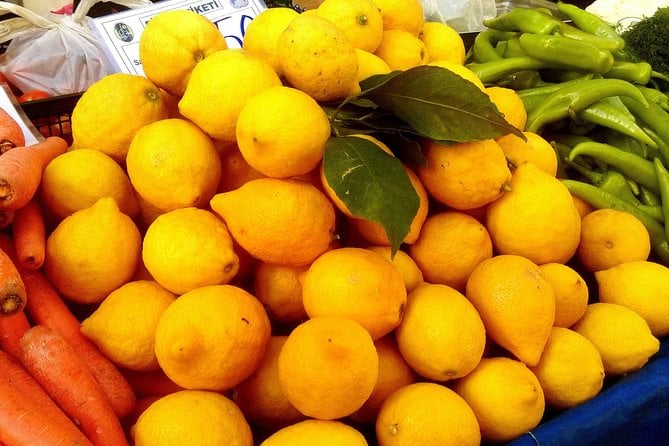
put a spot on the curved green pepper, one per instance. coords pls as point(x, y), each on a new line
point(575, 97)
point(655, 117)
point(485, 42)
point(589, 22)
point(565, 52)
point(494, 70)
point(532, 97)
point(604, 43)
point(637, 72)
point(606, 114)
point(513, 49)
point(526, 20)
point(663, 181)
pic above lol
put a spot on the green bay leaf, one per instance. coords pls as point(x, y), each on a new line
point(372, 184)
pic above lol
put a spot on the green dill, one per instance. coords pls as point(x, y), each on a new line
point(648, 40)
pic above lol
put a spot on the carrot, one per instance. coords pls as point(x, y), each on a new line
point(59, 369)
point(12, 289)
point(11, 329)
point(29, 230)
point(11, 134)
point(151, 383)
point(21, 170)
point(7, 218)
point(46, 307)
point(15, 374)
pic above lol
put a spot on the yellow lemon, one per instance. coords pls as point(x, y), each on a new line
point(620, 334)
point(409, 269)
point(123, 326)
point(516, 304)
point(358, 284)
point(402, 14)
point(316, 57)
point(321, 432)
point(178, 418)
point(534, 150)
point(290, 223)
point(523, 220)
point(328, 367)
point(282, 131)
point(235, 170)
point(262, 34)
point(359, 20)
point(610, 237)
point(78, 178)
point(509, 104)
point(460, 70)
point(173, 164)
point(570, 370)
point(92, 252)
point(188, 248)
point(450, 245)
point(261, 397)
point(506, 397)
point(442, 42)
point(441, 335)
point(464, 175)
point(394, 372)
point(110, 112)
point(369, 64)
point(172, 43)
point(571, 292)
point(212, 337)
point(279, 288)
point(220, 85)
point(402, 50)
point(641, 286)
point(426, 413)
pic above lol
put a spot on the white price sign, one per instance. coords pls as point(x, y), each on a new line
point(120, 32)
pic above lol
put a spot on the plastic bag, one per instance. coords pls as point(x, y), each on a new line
point(55, 53)
point(461, 15)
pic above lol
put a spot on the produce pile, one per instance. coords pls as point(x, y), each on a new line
point(351, 231)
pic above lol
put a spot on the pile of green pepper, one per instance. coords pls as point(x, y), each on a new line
point(604, 114)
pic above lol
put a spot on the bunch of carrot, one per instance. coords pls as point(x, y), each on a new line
point(56, 388)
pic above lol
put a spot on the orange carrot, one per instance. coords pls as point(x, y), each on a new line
point(46, 306)
point(11, 134)
point(151, 383)
point(12, 289)
point(11, 329)
point(59, 369)
point(21, 170)
point(29, 231)
point(15, 374)
point(7, 218)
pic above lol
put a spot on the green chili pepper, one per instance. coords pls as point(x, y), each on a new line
point(513, 49)
point(494, 70)
point(589, 22)
point(634, 167)
point(626, 143)
point(655, 95)
point(663, 180)
point(649, 198)
point(637, 72)
point(604, 43)
point(564, 52)
point(527, 20)
point(483, 48)
point(522, 80)
point(608, 115)
point(601, 199)
point(532, 97)
point(656, 118)
point(577, 96)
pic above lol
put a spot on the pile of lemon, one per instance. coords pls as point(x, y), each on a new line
point(191, 217)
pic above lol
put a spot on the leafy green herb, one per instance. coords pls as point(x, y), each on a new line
point(647, 40)
point(372, 184)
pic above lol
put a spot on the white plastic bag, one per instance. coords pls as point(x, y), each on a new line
point(58, 54)
point(461, 15)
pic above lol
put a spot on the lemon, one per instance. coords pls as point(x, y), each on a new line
point(112, 110)
point(460, 70)
point(411, 273)
point(402, 14)
point(188, 248)
point(92, 252)
point(173, 164)
point(279, 288)
point(641, 286)
point(402, 50)
point(571, 292)
point(172, 43)
point(123, 326)
point(534, 149)
point(620, 334)
point(212, 337)
point(360, 21)
point(442, 42)
point(321, 432)
point(263, 32)
point(282, 132)
point(369, 64)
point(180, 417)
point(78, 178)
point(220, 85)
point(317, 58)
